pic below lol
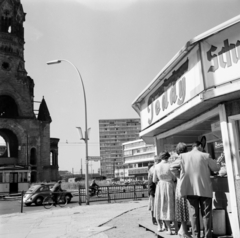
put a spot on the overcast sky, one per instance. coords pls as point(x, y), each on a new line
point(119, 46)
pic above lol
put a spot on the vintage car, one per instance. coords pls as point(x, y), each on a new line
point(36, 193)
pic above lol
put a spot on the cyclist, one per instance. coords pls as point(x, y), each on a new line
point(94, 187)
point(55, 190)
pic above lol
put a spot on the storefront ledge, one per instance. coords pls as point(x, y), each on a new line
point(220, 184)
point(217, 236)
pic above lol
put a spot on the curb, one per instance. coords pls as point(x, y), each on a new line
point(10, 198)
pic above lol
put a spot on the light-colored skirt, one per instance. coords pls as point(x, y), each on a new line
point(164, 202)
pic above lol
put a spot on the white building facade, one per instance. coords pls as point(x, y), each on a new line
point(136, 154)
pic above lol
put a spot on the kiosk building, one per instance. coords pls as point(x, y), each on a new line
point(197, 96)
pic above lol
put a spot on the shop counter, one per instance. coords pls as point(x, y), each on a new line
point(221, 198)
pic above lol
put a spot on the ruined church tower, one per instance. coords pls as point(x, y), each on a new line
point(26, 143)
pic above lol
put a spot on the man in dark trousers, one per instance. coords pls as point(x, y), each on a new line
point(56, 190)
point(195, 184)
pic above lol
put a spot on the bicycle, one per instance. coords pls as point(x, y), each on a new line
point(48, 201)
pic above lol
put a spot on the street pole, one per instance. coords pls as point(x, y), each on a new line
point(86, 128)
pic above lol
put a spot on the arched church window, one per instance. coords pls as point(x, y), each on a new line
point(3, 146)
point(8, 107)
point(51, 158)
point(7, 14)
point(11, 143)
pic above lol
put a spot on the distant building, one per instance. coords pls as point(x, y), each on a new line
point(137, 154)
point(112, 133)
point(64, 172)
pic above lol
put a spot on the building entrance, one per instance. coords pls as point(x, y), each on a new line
point(13, 185)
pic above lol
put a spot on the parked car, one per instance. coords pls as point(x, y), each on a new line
point(36, 193)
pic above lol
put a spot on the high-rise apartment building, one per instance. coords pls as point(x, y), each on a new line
point(112, 133)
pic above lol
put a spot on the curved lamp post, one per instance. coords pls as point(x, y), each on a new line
point(86, 128)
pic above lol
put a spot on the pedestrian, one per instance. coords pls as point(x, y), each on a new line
point(94, 187)
point(165, 193)
point(151, 192)
point(181, 203)
point(195, 184)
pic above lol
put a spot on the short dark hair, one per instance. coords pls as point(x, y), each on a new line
point(164, 155)
point(181, 148)
point(150, 165)
point(196, 144)
point(59, 181)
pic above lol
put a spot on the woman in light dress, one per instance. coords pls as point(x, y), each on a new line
point(164, 204)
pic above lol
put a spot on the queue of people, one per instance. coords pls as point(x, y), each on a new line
point(180, 187)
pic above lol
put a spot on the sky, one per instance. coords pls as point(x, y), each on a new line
point(118, 46)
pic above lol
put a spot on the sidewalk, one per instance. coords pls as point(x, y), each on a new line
point(82, 221)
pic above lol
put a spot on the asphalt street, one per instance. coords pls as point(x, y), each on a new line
point(14, 206)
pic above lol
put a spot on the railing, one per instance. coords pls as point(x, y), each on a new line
point(116, 192)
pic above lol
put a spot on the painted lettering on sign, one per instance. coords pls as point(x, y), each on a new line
point(150, 111)
point(173, 94)
point(231, 52)
point(165, 100)
point(157, 107)
point(218, 145)
point(169, 98)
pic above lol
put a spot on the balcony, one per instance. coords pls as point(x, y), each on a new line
point(136, 171)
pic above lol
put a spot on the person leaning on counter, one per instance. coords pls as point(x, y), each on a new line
point(195, 185)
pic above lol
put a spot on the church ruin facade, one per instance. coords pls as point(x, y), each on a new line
point(27, 153)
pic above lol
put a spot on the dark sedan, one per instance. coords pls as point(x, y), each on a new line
point(36, 193)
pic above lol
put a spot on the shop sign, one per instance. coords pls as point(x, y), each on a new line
point(218, 145)
point(221, 57)
point(186, 87)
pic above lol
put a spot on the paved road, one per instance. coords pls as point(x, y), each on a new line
point(9, 207)
point(14, 206)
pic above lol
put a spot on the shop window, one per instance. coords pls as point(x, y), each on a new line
point(20, 177)
point(7, 177)
point(215, 148)
point(24, 177)
point(13, 177)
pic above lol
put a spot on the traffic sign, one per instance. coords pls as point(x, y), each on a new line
point(94, 158)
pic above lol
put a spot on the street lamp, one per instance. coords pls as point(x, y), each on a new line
point(86, 128)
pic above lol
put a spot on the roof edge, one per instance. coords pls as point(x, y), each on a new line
point(180, 54)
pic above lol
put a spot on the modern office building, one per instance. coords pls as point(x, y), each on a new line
point(137, 154)
point(112, 133)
